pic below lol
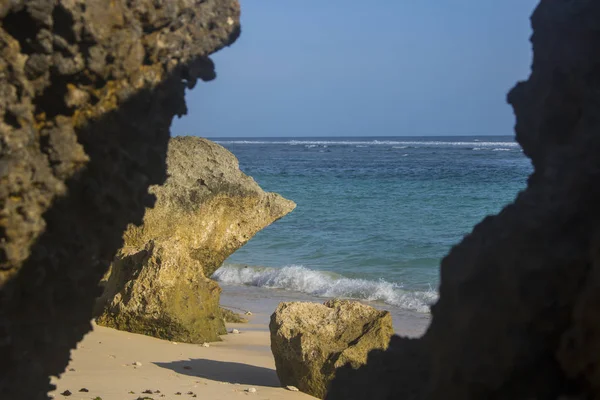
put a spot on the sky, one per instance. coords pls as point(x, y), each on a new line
point(366, 68)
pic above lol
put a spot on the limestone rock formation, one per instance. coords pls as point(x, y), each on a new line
point(159, 283)
point(310, 340)
point(519, 310)
point(88, 92)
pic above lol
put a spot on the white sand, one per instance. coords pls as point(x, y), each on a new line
point(103, 363)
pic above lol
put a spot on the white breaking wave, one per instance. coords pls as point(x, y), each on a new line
point(323, 284)
point(493, 149)
point(433, 143)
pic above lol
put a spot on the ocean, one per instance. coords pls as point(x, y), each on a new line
point(374, 216)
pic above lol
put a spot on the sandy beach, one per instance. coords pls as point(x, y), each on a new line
point(104, 363)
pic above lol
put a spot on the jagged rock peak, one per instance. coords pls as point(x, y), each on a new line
point(159, 283)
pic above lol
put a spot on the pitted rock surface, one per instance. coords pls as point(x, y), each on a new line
point(88, 90)
point(310, 340)
point(160, 280)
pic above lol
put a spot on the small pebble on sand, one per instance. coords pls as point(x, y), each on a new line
point(66, 393)
point(205, 345)
point(292, 388)
point(83, 390)
point(251, 390)
point(235, 331)
point(137, 364)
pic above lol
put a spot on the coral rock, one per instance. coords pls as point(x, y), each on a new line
point(159, 283)
point(310, 340)
point(88, 90)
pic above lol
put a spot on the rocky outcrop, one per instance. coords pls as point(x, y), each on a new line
point(88, 92)
point(160, 281)
point(310, 340)
point(84, 132)
point(518, 314)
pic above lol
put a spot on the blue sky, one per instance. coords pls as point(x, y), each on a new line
point(358, 68)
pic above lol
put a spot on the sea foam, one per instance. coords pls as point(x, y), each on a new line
point(324, 284)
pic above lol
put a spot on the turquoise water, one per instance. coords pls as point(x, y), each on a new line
point(375, 215)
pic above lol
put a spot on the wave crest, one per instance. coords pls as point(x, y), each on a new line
point(324, 284)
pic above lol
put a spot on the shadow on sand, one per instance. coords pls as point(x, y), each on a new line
point(224, 371)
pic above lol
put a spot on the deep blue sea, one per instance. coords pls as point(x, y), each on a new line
point(375, 215)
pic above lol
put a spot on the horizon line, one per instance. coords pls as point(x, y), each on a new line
point(340, 136)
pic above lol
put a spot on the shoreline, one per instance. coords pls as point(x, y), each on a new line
point(262, 302)
point(104, 362)
point(329, 284)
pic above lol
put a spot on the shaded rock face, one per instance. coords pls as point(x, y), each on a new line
point(88, 91)
point(159, 283)
point(519, 308)
point(310, 340)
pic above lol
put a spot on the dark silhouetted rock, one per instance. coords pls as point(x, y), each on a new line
point(88, 90)
point(518, 313)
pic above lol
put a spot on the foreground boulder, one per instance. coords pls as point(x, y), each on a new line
point(159, 283)
point(310, 340)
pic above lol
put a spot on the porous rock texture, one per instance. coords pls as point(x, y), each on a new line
point(160, 280)
point(88, 90)
point(310, 340)
point(518, 315)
